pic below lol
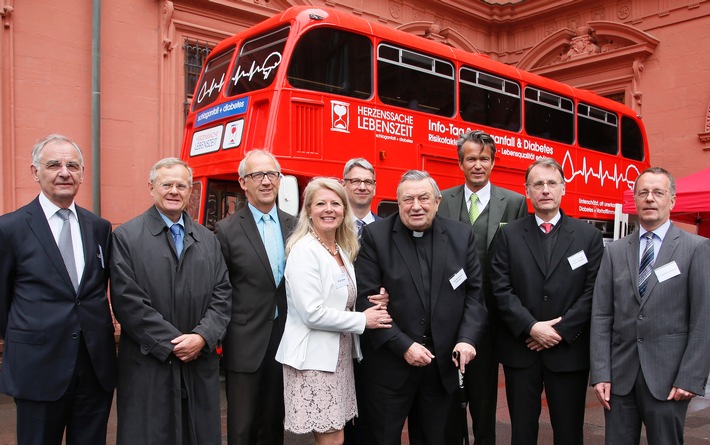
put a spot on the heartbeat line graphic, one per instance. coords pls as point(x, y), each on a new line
point(602, 174)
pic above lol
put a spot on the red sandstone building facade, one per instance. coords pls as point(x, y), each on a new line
point(654, 56)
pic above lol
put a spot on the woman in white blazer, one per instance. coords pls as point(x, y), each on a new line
point(320, 338)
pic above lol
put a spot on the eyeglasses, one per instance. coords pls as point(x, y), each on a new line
point(167, 186)
point(54, 166)
point(259, 176)
point(357, 182)
point(423, 199)
point(643, 194)
point(539, 185)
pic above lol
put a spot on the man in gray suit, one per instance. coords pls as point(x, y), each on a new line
point(650, 321)
point(486, 207)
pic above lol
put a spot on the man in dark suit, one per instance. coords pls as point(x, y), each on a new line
point(255, 409)
point(360, 185)
point(650, 321)
point(542, 272)
point(59, 359)
point(486, 207)
point(430, 267)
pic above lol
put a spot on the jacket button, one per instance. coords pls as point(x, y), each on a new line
point(640, 316)
point(544, 298)
point(74, 336)
point(421, 322)
point(640, 340)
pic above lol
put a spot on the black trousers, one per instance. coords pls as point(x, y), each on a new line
point(255, 401)
point(565, 393)
point(422, 399)
point(82, 411)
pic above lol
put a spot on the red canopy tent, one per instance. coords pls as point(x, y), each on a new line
point(692, 202)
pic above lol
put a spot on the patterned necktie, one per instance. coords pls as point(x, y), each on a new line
point(177, 237)
point(547, 227)
point(360, 224)
point(270, 245)
point(473, 208)
point(66, 247)
point(646, 266)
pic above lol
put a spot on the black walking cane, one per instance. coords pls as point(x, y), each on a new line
point(463, 401)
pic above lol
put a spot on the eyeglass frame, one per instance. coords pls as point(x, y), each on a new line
point(540, 185)
point(259, 176)
point(357, 182)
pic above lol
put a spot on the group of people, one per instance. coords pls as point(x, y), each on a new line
point(343, 324)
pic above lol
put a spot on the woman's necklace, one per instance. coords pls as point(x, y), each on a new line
point(332, 252)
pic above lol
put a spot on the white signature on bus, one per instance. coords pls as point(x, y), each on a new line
point(270, 63)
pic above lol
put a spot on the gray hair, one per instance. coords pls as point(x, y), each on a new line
point(658, 171)
point(167, 163)
point(41, 143)
point(243, 165)
point(545, 162)
point(418, 175)
point(479, 137)
point(358, 162)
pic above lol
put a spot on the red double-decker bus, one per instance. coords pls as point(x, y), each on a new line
point(317, 87)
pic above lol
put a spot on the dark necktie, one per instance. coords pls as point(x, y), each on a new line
point(360, 224)
point(66, 247)
point(546, 226)
point(646, 266)
point(177, 237)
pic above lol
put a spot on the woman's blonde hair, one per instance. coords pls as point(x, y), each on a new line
point(345, 234)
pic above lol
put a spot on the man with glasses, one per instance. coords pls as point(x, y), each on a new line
point(359, 183)
point(59, 358)
point(543, 269)
point(252, 241)
point(650, 321)
point(170, 291)
point(486, 207)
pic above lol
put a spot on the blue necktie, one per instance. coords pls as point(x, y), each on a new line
point(176, 230)
point(271, 249)
point(646, 266)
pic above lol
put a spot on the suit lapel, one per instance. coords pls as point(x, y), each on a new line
point(665, 255)
point(496, 208)
point(565, 237)
point(438, 260)
point(40, 228)
point(403, 243)
point(86, 228)
point(246, 220)
point(532, 240)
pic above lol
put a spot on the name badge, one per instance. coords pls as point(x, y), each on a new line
point(577, 260)
point(341, 280)
point(458, 278)
point(667, 271)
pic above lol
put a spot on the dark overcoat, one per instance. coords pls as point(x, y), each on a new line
point(157, 297)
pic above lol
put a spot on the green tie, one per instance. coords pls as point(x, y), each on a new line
point(473, 209)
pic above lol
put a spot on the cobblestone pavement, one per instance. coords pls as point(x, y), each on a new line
point(697, 426)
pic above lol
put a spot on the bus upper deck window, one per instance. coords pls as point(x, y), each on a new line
point(549, 116)
point(213, 80)
point(597, 129)
point(332, 61)
point(258, 62)
point(416, 81)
